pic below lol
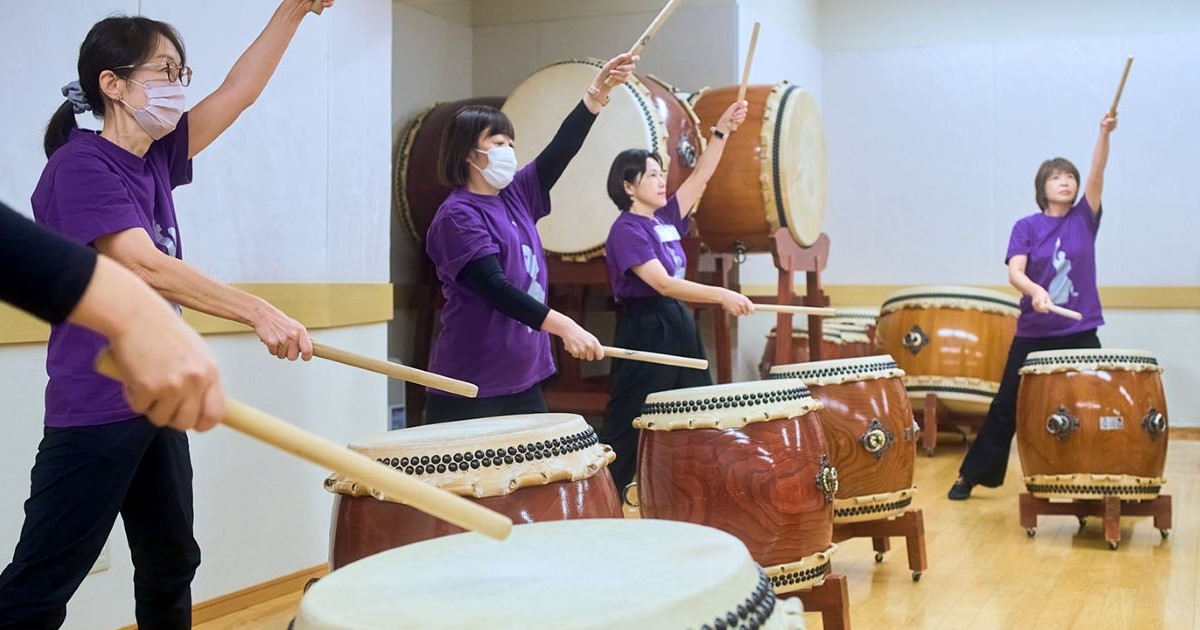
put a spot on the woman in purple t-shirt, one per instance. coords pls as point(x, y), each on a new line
point(484, 244)
point(112, 191)
point(1052, 261)
point(646, 266)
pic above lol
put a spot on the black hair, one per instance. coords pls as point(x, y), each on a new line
point(628, 166)
point(116, 44)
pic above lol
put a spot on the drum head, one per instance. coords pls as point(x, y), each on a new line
point(592, 573)
point(582, 212)
point(796, 185)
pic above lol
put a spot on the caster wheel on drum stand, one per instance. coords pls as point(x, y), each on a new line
point(878, 557)
point(1030, 532)
point(1082, 522)
point(1165, 533)
point(1112, 544)
point(916, 576)
point(928, 452)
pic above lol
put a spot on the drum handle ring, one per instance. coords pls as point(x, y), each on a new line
point(739, 252)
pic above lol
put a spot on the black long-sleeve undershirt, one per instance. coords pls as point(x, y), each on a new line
point(565, 144)
point(41, 272)
point(485, 277)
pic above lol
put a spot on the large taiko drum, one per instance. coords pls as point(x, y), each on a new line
point(868, 426)
point(1092, 423)
point(749, 459)
point(418, 190)
point(772, 174)
point(949, 340)
point(584, 575)
point(643, 113)
point(835, 344)
point(540, 467)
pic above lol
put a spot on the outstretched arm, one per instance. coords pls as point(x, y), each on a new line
point(1095, 178)
point(245, 82)
point(690, 190)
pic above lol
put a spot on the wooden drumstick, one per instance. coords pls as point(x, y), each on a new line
point(316, 7)
point(654, 357)
point(320, 451)
point(1112, 111)
point(1066, 312)
point(397, 371)
point(651, 30)
point(795, 310)
point(749, 60)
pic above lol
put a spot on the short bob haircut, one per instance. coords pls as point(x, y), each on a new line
point(628, 166)
point(461, 137)
point(1048, 168)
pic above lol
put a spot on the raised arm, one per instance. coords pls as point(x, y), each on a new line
point(246, 80)
point(690, 190)
point(567, 141)
point(654, 274)
point(177, 281)
point(1095, 178)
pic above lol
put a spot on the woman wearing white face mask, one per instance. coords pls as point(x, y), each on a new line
point(485, 246)
point(113, 191)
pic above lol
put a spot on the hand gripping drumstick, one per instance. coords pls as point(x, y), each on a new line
point(316, 449)
point(651, 30)
point(397, 371)
point(795, 310)
point(654, 357)
point(316, 7)
point(1066, 312)
point(1112, 111)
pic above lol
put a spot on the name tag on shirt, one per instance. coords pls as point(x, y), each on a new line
point(666, 233)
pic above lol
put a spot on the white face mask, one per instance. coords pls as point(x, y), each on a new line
point(164, 107)
point(502, 166)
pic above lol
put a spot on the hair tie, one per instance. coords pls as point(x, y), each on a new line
point(76, 97)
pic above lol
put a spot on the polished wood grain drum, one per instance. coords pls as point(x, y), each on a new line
point(644, 113)
point(418, 191)
point(1092, 423)
point(584, 575)
point(749, 459)
point(949, 340)
point(869, 428)
point(835, 344)
point(539, 467)
point(772, 174)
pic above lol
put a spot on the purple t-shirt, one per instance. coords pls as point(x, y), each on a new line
point(91, 188)
point(477, 343)
point(635, 240)
point(1062, 259)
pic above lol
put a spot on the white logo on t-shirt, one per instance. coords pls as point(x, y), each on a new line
point(1061, 288)
point(167, 240)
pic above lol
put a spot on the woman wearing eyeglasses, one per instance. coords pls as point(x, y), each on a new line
point(112, 190)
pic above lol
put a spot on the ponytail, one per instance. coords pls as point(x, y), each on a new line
point(59, 128)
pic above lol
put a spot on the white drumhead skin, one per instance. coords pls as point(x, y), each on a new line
point(450, 436)
point(582, 212)
point(953, 296)
point(1089, 360)
point(595, 573)
point(836, 371)
point(794, 178)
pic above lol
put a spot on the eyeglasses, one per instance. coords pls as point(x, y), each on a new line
point(174, 72)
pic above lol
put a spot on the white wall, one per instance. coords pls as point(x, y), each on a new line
point(937, 115)
point(431, 58)
point(297, 190)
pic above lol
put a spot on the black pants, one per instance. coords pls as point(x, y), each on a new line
point(440, 408)
point(82, 478)
point(987, 461)
point(658, 324)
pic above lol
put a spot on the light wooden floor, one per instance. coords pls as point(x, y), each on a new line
point(985, 573)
